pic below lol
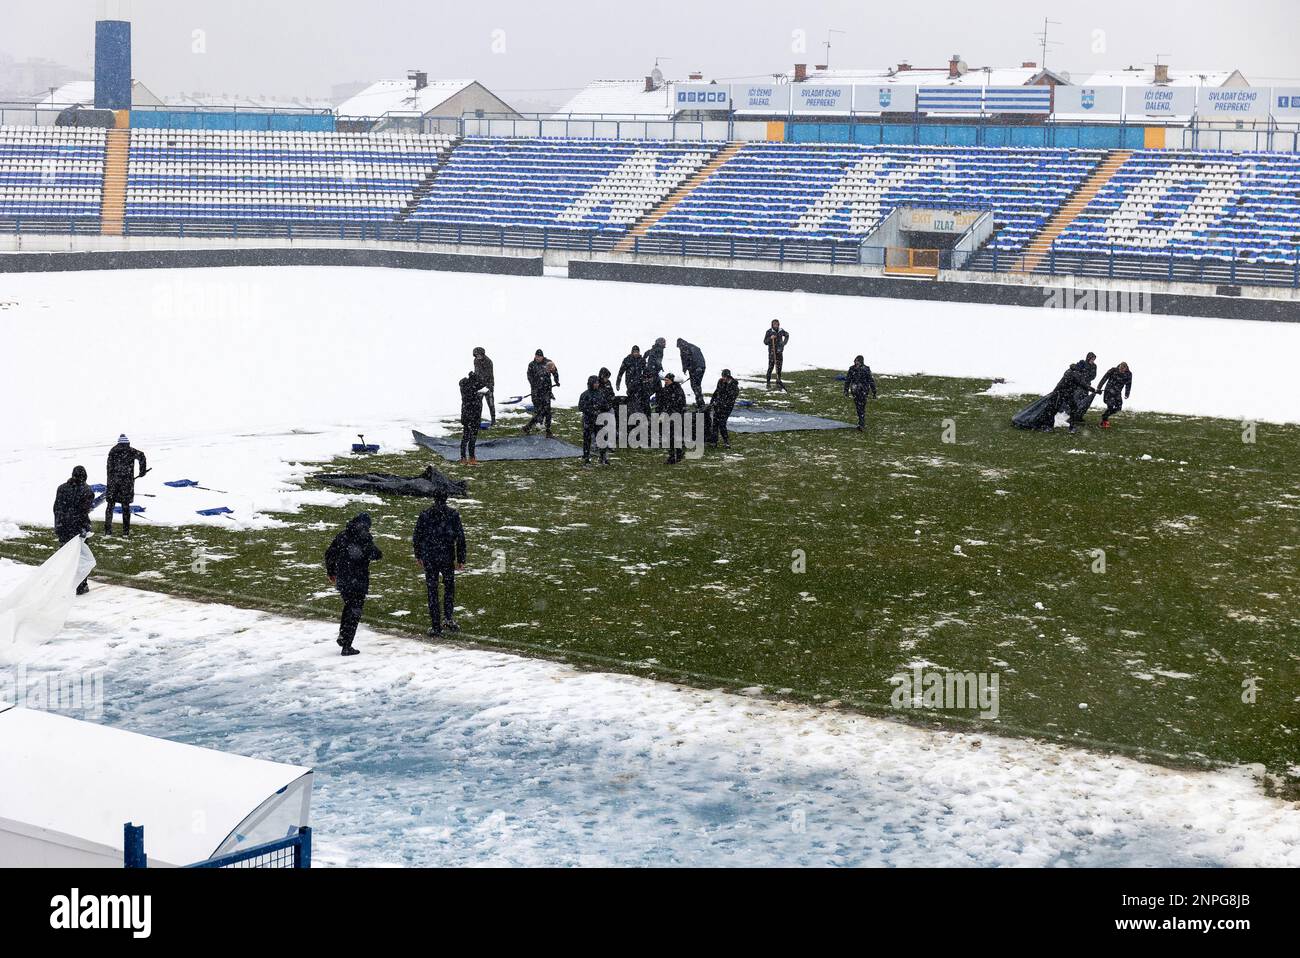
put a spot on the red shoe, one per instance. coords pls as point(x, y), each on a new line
point(1105, 424)
point(473, 461)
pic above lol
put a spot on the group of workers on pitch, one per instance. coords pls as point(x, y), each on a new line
point(648, 387)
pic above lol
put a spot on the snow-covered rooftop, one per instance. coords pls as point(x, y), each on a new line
point(400, 96)
point(1146, 77)
point(1005, 76)
point(623, 97)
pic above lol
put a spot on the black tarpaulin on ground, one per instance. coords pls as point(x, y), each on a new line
point(514, 448)
point(754, 419)
point(424, 486)
point(1037, 415)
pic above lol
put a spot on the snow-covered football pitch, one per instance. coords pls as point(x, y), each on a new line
point(438, 755)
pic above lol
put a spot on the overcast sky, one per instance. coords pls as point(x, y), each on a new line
point(531, 51)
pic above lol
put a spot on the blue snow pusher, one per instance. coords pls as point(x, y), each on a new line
point(219, 511)
point(365, 447)
point(192, 484)
point(135, 510)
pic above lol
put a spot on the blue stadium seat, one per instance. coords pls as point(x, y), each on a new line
point(49, 172)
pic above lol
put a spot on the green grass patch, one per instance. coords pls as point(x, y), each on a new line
point(687, 573)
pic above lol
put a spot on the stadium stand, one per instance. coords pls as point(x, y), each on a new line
point(1200, 206)
point(787, 191)
point(50, 172)
point(581, 184)
point(1207, 216)
point(241, 176)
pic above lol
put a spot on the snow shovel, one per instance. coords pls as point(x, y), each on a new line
point(192, 484)
point(363, 446)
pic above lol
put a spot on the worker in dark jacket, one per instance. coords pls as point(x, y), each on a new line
point(72, 504)
point(592, 403)
point(859, 383)
point(606, 386)
point(633, 367)
point(439, 542)
point(1073, 391)
point(483, 368)
point(1117, 385)
point(471, 416)
point(721, 405)
point(693, 368)
point(672, 402)
point(347, 563)
point(654, 358)
point(775, 339)
point(541, 374)
point(121, 482)
point(650, 387)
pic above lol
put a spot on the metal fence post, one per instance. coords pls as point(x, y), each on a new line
point(302, 851)
point(1110, 262)
point(1295, 270)
point(995, 259)
point(1171, 265)
point(1051, 258)
point(133, 855)
point(1232, 268)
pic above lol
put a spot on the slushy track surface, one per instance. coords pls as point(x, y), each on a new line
point(973, 556)
point(430, 755)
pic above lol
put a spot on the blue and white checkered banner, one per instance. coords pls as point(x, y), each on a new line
point(701, 96)
point(1285, 102)
point(1018, 99)
point(949, 99)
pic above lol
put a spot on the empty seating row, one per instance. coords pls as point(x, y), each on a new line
point(587, 184)
point(278, 175)
point(1199, 206)
point(50, 171)
point(844, 191)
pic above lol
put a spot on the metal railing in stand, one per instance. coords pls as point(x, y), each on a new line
point(292, 851)
point(1234, 267)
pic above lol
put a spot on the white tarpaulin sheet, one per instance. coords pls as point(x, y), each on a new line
point(34, 612)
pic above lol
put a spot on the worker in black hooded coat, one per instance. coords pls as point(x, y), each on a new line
point(1073, 392)
point(721, 405)
point(347, 563)
point(775, 339)
point(121, 482)
point(859, 384)
point(1116, 386)
point(654, 358)
point(73, 501)
point(439, 543)
point(693, 368)
point(471, 415)
point(542, 375)
point(593, 403)
point(633, 367)
point(672, 401)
